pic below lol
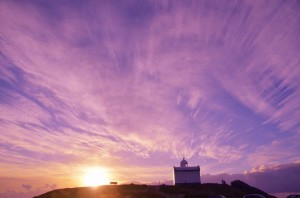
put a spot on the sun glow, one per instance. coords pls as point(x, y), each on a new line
point(95, 177)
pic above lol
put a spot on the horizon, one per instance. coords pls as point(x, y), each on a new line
point(125, 89)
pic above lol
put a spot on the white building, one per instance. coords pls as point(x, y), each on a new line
point(186, 174)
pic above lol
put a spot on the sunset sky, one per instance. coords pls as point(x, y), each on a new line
point(133, 86)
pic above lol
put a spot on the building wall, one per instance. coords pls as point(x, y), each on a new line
point(182, 177)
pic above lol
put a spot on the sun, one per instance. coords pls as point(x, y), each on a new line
point(95, 176)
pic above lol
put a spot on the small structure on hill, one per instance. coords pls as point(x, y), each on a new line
point(185, 175)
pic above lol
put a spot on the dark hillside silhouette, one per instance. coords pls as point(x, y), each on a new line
point(236, 190)
point(247, 188)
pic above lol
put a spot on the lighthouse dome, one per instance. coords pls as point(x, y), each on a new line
point(183, 163)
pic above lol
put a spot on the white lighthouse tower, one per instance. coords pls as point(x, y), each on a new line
point(185, 174)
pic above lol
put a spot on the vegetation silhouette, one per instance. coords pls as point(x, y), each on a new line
point(236, 190)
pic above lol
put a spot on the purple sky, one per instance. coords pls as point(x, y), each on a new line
point(135, 85)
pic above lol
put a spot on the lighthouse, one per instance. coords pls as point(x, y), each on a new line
point(185, 174)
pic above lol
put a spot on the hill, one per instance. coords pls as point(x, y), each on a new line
point(236, 190)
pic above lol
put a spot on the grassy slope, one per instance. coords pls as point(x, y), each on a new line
point(144, 191)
